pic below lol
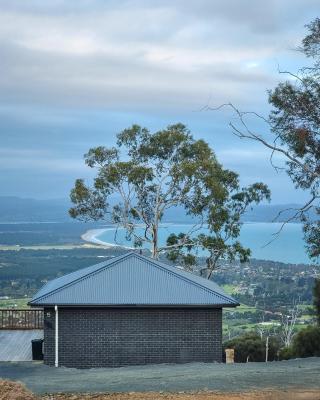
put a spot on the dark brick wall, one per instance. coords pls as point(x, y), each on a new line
point(115, 337)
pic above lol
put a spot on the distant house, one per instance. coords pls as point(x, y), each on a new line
point(131, 310)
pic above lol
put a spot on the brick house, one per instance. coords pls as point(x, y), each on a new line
point(131, 310)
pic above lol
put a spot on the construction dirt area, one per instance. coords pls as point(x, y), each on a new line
point(16, 391)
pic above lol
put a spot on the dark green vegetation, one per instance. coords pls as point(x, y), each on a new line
point(29, 234)
point(152, 173)
point(305, 344)
point(252, 347)
point(316, 299)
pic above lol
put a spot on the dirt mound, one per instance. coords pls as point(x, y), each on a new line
point(14, 391)
point(267, 395)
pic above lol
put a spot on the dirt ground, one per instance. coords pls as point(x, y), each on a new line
point(271, 395)
point(16, 391)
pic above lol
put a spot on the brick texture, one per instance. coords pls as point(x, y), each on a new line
point(105, 337)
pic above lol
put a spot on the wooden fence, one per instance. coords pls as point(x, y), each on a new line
point(12, 318)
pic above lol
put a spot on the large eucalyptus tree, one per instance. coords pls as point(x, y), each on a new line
point(153, 172)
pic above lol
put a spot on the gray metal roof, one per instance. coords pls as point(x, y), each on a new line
point(132, 280)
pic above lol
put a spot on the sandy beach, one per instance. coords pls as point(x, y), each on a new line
point(91, 237)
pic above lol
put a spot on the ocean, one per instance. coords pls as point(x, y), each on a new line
point(287, 247)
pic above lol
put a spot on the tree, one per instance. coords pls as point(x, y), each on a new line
point(307, 342)
point(251, 347)
point(295, 125)
point(316, 299)
point(288, 323)
point(153, 172)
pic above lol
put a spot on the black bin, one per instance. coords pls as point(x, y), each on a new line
point(37, 353)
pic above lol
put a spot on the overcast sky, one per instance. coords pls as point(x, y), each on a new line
point(73, 73)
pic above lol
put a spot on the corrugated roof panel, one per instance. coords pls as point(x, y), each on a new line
point(132, 280)
point(68, 278)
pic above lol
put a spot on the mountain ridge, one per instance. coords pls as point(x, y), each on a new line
point(14, 209)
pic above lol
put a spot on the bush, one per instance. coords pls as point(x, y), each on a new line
point(286, 353)
point(252, 348)
point(307, 342)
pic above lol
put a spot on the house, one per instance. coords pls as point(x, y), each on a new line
point(131, 310)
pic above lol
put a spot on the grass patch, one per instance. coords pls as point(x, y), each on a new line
point(14, 303)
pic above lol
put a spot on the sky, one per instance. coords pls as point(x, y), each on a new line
point(74, 73)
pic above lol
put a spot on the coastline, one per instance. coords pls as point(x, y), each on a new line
point(287, 249)
point(91, 237)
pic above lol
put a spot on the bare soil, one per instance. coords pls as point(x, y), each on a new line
point(16, 391)
point(268, 395)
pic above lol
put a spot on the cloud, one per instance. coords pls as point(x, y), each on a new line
point(30, 159)
point(75, 72)
point(140, 54)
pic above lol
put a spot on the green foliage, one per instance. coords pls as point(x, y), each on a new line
point(295, 121)
point(23, 272)
point(316, 298)
point(286, 353)
point(307, 342)
point(153, 172)
point(251, 347)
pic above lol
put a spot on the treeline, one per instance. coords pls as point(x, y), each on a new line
point(25, 271)
point(30, 234)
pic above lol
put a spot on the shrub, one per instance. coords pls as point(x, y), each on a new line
point(307, 342)
point(286, 353)
point(252, 348)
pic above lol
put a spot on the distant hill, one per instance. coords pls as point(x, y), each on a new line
point(16, 209)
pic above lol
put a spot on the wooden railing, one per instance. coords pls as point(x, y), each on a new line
point(12, 318)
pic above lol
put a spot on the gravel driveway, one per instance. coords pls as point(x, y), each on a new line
point(300, 373)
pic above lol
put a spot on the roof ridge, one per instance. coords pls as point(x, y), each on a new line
point(120, 258)
point(159, 264)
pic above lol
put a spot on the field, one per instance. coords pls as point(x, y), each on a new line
point(14, 303)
